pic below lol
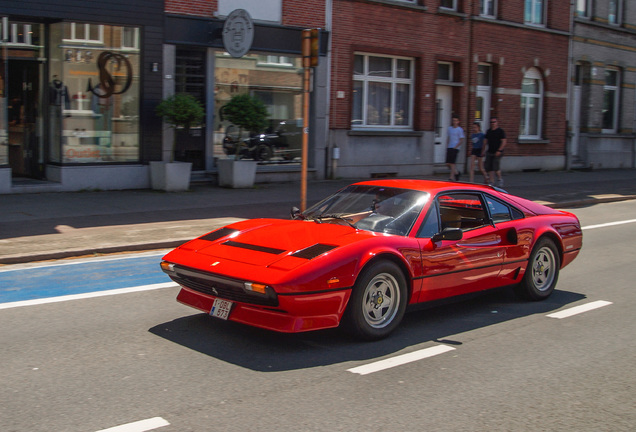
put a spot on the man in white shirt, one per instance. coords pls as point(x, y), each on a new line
point(455, 138)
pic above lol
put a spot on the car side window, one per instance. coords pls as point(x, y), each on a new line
point(500, 212)
point(430, 226)
point(462, 210)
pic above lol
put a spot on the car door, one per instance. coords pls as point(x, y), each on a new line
point(516, 237)
point(455, 267)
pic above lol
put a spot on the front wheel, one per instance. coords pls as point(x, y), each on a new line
point(542, 273)
point(378, 301)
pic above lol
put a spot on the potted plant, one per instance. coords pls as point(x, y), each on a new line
point(248, 113)
point(180, 111)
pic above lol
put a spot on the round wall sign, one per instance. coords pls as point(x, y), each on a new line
point(238, 33)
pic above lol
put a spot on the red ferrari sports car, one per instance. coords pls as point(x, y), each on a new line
point(361, 256)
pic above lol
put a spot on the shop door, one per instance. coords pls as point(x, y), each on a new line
point(190, 79)
point(23, 92)
point(443, 105)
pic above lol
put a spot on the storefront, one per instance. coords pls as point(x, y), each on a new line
point(74, 95)
point(198, 63)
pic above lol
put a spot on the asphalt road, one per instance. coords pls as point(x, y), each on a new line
point(96, 363)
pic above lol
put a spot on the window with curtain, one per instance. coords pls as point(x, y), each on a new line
point(382, 92)
point(610, 100)
point(531, 105)
point(534, 12)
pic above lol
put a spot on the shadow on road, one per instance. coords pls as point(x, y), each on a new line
point(266, 351)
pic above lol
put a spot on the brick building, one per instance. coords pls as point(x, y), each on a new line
point(474, 59)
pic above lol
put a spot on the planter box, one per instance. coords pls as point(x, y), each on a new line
point(170, 176)
point(236, 173)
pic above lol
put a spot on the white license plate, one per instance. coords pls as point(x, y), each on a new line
point(221, 308)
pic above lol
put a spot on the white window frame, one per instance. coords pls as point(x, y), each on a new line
point(453, 7)
point(86, 32)
point(484, 5)
point(619, 12)
point(525, 112)
point(136, 39)
point(12, 31)
point(365, 79)
point(586, 11)
point(617, 96)
point(534, 19)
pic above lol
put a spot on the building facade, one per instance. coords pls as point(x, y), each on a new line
point(603, 84)
point(198, 61)
point(78, 83)
point(400, 69)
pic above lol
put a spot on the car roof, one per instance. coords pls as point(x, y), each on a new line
point(431, 186)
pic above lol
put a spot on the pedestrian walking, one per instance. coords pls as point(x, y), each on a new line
point(477, 153)
point(495, 140)
point(454, 143)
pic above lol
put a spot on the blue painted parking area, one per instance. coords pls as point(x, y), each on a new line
point(66, 278)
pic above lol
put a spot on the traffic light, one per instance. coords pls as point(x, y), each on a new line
point(311, 47)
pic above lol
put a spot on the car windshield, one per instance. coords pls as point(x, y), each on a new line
point(373, 208)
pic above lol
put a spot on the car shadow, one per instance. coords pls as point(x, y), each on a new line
point(267, 351)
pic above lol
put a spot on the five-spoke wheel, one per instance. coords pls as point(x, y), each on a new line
point(542, 272)
point(378, 301)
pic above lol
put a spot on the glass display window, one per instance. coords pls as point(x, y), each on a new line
point(94, 93)
point(277, 81)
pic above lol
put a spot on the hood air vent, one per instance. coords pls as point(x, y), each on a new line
point(220, 233)
point(313, 251)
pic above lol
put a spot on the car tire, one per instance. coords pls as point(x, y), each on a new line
point(378, 301)
point(542, 273)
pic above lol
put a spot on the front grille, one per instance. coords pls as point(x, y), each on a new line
point(218, 286)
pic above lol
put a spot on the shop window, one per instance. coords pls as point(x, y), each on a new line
point(487, 8)
point(276, 81)
point(382, 92)
point(611, 101)
point(534, 12)
point(93, 94)
point(531, 105)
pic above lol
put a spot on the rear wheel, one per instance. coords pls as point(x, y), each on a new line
point(542, 273)
point(378, 301)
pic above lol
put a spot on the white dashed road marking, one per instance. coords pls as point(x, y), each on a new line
point(400, 360)
point(579, 309)
point(139, 426)
point(589, 227)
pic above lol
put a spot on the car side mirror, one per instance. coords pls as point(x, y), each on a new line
point(448, 234)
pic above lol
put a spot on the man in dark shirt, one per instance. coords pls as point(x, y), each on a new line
point(496, 140)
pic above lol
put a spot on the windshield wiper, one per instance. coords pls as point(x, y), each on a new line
point(318, 219)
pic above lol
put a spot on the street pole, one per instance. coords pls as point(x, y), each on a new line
point(310, 51)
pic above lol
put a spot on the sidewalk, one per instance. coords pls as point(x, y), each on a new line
point(36, 227)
